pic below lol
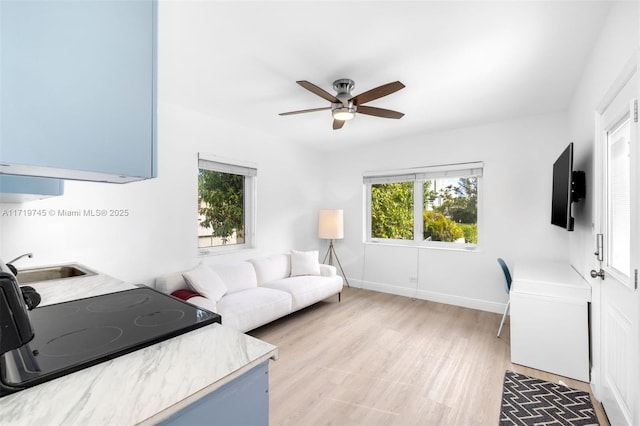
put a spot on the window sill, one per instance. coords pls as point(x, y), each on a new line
point(444, 247)
point(222, 250)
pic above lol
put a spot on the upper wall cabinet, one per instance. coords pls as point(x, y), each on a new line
point(78, 89)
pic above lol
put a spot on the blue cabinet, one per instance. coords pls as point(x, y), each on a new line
point(18, 189)
point(243, 401)
point(78, 89)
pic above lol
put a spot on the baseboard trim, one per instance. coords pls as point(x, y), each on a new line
point(449, 299)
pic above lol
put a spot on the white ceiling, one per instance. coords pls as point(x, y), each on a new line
point(463, 63)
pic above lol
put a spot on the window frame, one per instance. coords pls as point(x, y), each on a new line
point(250, 173)
point(418, 176)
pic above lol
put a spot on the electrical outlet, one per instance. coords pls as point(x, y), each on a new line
point(413, 279)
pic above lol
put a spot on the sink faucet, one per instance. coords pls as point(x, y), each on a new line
point(29, 255)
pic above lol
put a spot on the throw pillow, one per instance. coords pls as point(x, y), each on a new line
point(205, 281)
point(304, 263)
point(183, 294)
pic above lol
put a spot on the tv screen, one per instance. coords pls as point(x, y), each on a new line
point(561, 198)
point(568, 187)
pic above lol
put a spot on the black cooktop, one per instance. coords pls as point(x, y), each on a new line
point(80, 333)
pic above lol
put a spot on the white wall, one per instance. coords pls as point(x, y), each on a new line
point(615, 45)
point(514, 213)
point(159, 234)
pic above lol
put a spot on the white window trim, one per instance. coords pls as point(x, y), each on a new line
point(419, 174)
point(250, 171)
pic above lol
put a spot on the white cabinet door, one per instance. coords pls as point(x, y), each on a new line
point(549, 318)
point(243, 401)
point(78, 89)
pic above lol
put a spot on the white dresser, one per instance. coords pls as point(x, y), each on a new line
point(550, 318)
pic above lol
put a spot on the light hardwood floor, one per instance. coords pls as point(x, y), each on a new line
point(381, 359)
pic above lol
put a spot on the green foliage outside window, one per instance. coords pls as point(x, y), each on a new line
point(221, 204)
point(450, 213)
point(392, 210)
point(437, 227)
point(460, 205)
point(460, 202)
point(470, 231)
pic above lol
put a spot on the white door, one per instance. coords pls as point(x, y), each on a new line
point(616, 311)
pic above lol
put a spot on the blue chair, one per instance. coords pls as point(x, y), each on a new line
point(507, 288)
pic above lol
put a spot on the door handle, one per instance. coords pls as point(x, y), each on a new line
point(596, 274)
point(599, 244)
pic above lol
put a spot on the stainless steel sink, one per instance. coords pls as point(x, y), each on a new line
point(48, 273)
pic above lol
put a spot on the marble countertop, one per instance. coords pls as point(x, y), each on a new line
point(144, 386)
point(65, 289)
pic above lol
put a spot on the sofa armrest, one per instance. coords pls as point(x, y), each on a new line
point(327, 270)
point(170, 282)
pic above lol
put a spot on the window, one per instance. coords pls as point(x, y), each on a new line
point(618, 179)
point(430, 206)
point(226, 213)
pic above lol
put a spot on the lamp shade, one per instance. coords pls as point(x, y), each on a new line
point(331, 225)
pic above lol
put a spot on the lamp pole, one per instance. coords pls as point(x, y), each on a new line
point(331, 252)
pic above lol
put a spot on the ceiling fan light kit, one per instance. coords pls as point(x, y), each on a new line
point(343, 113)
point(344, 106)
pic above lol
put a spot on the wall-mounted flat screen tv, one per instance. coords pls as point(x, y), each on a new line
point(568, 187)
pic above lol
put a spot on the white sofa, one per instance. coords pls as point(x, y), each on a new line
point(252, 293)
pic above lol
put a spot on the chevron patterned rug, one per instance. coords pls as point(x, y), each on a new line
point(529, 401)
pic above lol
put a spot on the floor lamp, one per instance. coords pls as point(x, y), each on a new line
point(331, 227)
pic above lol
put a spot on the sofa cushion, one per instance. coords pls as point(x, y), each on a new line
point(270, 268)
point(185, 295)
point(307, 290)
point(248, 309)
point(237, 276)
point(304, 263)
point(205, 281)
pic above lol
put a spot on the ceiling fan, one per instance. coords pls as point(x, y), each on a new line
point(344, 106)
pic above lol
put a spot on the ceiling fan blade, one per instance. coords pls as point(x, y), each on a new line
point(378, 92)
point(379, 112)
point(337, 124)
point(318, 91)
point(302, 111)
